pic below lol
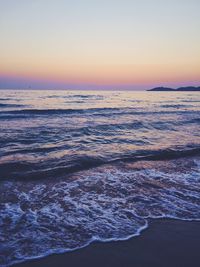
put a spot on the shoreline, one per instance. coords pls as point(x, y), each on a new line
point(165, 242)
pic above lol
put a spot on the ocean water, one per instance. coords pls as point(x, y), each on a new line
point(79, 166)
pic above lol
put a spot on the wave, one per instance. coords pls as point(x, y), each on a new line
point(21, 170)
point(157, 155)
point(5, 99)
point(100, 170)
point(107, 112)
point(106, 204)
point(3, 105)
point(176, 106)
point(96, 97)
point(195, 120)
point(80, 96)
point(57, 111)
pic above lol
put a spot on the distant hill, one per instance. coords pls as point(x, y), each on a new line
point(187, 88)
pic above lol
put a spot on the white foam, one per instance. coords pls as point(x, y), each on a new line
point(105, 204)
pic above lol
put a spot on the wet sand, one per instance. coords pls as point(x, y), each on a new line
point(166, 243)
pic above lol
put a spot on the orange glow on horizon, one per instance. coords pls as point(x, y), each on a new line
point(106, 74)
point(99, 42)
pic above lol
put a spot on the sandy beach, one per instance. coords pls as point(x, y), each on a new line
point(167, 243)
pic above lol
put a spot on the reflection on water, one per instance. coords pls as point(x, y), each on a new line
point(79, 166)
point(50, 127)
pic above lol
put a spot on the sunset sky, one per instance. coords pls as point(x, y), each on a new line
point(99, 44)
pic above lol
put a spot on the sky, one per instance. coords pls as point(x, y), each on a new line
point(99, 44)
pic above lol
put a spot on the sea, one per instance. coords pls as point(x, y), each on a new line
point(84, 166)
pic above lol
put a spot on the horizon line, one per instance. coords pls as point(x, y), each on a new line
point(98, 89)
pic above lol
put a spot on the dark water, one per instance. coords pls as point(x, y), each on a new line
point(82, 166)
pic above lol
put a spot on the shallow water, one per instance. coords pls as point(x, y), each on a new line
point(80, 166)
